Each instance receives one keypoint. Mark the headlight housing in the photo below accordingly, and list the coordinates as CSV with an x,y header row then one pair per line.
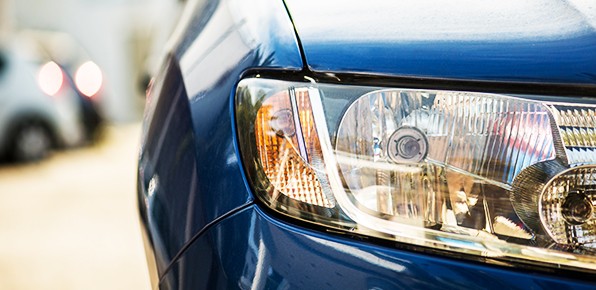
x,y
483,174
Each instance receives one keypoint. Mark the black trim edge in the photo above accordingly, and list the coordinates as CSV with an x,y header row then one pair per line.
x,y
382,80
189,243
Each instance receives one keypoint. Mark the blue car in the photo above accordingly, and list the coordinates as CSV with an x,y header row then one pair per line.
x,y
303,144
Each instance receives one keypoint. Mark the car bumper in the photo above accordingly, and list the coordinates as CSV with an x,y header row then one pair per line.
x,y
251,249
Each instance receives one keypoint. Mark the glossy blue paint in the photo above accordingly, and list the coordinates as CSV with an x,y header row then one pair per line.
x,y
542,41
167,170
226,37
189,174
251,250
189,169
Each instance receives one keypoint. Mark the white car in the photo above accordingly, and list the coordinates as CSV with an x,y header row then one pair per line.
x,y
38,108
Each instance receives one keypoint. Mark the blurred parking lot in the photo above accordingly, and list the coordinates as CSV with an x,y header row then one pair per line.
x,y
70,221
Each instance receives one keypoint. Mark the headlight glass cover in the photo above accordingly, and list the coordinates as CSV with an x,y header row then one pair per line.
x,y
494,176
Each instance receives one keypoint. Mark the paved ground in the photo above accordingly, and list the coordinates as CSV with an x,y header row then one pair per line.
x,y
70,222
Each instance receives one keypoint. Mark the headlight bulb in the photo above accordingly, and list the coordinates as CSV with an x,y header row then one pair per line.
x,y
566,208
562,200
407,144
282,123
577,208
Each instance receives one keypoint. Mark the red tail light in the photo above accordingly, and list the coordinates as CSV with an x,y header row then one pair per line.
x,y
89,79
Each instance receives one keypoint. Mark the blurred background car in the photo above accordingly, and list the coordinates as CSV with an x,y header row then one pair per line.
x,y
81,73
39,110
70,222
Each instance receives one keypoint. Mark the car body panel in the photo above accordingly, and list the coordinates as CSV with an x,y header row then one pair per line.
x,y
231,34
190,173
252,250
188,147
538,41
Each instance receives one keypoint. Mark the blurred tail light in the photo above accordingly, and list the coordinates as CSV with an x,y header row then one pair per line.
x,y
89,79
50,78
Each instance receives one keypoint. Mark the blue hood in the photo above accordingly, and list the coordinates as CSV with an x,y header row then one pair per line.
x,y
542,41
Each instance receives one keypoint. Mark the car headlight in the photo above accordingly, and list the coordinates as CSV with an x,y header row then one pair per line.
x,y
482,174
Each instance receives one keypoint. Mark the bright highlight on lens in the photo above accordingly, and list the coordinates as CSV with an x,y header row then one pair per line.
x,y
482,174
50,78
88,78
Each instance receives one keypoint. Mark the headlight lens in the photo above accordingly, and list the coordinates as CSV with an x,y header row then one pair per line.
x,y
489,175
